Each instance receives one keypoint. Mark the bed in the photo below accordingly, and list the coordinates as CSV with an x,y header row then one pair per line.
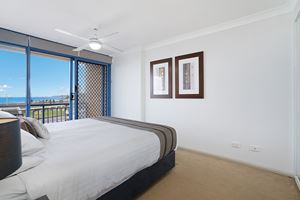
x,y
102,158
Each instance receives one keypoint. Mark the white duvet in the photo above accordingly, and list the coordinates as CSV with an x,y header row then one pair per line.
x,y
87,158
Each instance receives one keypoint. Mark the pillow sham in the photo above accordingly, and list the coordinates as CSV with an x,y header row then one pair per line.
x,y
30,144
26,126
39,129
4,114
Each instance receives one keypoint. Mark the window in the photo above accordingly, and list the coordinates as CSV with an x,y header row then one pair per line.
x,y
12,79
50,87
51,80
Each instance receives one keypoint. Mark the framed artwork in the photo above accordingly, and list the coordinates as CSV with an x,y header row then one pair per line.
x,y
161,78
189,76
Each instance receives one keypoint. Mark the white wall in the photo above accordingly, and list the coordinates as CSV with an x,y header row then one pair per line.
x,y
296,9
127,88
296,102
247,93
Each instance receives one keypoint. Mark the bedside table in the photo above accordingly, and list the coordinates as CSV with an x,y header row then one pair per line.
x,y
43,198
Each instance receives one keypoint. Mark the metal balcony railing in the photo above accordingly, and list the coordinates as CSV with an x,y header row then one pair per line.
x,y
44,112
50,113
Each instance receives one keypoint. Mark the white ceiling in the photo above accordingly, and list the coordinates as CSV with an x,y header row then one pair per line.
x,y
140,22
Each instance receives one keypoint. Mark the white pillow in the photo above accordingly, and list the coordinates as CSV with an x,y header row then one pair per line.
x,y
32,152
4,114
13,188
29,162
30,144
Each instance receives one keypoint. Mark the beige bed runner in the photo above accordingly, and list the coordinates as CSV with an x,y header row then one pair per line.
x,y
166,134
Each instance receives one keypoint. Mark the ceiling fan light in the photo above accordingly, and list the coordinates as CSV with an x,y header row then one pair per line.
x,y
95,45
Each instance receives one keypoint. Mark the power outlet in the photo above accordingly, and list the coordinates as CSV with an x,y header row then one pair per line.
x,y
254,148
236,145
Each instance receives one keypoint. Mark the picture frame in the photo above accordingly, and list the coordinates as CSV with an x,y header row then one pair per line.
x,y
161,78
189,76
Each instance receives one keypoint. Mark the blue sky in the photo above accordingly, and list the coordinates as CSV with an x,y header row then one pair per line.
x,y
49,77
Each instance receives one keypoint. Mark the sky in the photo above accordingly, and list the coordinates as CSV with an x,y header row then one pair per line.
x,y
49,77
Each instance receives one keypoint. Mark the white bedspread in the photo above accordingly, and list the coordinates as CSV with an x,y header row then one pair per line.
x,y
86,158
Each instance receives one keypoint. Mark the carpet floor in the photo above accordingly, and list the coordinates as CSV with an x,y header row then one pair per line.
x,y
201,177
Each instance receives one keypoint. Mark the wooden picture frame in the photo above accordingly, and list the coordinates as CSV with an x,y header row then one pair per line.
x,y
161,78
189,76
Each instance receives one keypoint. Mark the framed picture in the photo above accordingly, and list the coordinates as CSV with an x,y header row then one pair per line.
x,y
189,76
161,78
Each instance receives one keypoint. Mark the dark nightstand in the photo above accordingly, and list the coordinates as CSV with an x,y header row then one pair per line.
x,y
43,198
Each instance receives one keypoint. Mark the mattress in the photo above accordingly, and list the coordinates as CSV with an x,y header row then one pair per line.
x,y
87,158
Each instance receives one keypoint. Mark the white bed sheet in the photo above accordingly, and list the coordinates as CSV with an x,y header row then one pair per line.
x,y
87,158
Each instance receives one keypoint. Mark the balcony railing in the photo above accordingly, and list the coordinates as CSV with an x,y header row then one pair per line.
x,y
49,113
44,112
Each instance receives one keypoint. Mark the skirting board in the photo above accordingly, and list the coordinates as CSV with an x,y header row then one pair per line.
x,y
238,161
297,181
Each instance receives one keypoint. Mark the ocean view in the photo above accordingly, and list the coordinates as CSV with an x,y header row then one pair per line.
x,y
7,100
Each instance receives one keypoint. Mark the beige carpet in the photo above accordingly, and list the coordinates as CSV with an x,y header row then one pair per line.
x,y
202,177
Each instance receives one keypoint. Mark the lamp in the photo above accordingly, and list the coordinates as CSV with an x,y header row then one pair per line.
x,y
10,146
95,44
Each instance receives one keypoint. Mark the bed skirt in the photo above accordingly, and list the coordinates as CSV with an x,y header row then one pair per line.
x,y
141,180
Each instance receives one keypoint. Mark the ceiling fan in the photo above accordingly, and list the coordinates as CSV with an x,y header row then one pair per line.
x,y
95,42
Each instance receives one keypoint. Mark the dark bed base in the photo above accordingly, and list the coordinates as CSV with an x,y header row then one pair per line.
x,y
141,180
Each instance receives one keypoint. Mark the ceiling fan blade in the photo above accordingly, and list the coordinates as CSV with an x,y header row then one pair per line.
x,y
71,34
81,47
108,35
111,48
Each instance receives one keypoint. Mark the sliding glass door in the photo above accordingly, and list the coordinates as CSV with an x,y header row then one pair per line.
x,y
13,79
50,88
91,90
